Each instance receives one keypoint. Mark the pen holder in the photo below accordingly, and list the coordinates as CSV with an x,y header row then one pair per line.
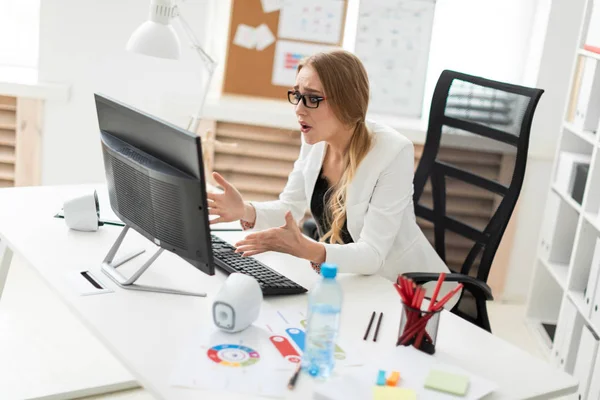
x,y
418,328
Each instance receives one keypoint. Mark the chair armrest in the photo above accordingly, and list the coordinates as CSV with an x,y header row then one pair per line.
x,y
478,288
309,228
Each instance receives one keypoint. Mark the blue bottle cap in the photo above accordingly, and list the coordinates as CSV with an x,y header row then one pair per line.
x,y
328,271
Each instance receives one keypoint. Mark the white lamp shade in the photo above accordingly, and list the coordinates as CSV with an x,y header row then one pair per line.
x,y
156,40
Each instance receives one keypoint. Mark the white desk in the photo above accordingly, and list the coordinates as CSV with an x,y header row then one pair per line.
x,y
145,331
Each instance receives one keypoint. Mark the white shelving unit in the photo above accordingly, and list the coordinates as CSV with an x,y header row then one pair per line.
x,y
569,321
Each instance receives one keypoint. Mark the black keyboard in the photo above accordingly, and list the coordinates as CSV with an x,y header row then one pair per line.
x,y
270,282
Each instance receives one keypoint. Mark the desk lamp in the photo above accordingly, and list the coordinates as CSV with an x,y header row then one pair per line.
x,y
157,38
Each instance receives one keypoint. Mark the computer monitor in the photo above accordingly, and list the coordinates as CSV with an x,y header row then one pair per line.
x,y
155,178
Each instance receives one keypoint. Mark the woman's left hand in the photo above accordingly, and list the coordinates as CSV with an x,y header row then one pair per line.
x,y
285,239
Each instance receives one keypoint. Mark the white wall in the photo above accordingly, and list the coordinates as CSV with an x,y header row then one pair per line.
x,y
82,43
19,30
553,41
488,38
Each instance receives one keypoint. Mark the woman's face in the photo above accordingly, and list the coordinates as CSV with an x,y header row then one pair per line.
x,y
316,124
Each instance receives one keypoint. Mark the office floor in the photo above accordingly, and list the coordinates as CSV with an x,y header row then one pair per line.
x,y
32,313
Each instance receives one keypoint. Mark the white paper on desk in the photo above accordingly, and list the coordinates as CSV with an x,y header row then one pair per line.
x,y
245,36
413,365
264,37
83,286
243,362
287,56
271,5
288,328
311,20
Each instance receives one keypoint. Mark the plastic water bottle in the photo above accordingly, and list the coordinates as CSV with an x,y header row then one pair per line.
x,y
324,307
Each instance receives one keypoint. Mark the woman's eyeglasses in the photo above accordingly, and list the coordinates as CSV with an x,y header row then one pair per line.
x,y
309,100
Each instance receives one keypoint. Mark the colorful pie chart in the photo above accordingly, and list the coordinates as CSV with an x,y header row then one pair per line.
x,y
233,355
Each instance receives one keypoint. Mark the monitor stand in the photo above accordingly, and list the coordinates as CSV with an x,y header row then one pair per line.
x,y
109,267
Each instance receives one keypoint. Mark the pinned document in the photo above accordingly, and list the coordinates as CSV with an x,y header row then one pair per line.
x,y
251,38
288,55
245,36
269,6
264,37
312,20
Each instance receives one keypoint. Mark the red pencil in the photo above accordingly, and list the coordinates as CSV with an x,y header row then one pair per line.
x,y
436,291
423,321
400,292
444,300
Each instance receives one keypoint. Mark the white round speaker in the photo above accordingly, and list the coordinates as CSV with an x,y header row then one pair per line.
x,y
82,213
237,305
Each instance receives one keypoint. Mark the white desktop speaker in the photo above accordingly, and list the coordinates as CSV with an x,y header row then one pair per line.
x,y
237,304
82,213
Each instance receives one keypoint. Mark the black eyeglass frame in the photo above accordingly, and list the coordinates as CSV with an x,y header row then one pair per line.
x,y
294,97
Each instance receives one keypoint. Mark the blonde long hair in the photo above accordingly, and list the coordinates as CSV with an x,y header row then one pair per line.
x,y
346,86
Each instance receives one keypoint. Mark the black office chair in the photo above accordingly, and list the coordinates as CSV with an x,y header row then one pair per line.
x,y
475,106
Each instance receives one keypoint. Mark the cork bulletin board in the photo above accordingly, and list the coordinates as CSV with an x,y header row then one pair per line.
x,y
251,69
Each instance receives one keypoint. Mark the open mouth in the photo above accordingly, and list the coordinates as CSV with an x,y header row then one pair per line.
x,y
305,128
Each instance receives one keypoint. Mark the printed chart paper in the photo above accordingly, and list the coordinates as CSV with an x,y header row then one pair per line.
x,y
288,334
259,360
244,362
392,40
287,56
310,20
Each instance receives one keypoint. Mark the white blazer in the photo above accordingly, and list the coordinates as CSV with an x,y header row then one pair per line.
x,y
379,209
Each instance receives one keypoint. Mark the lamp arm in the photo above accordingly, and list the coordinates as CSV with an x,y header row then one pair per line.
x,y
209,64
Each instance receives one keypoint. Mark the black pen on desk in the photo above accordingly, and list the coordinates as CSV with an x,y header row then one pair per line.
x,y
294,377
377,327
369,327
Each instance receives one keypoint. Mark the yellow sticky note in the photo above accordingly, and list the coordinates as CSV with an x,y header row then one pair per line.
x,y
393,393
447,382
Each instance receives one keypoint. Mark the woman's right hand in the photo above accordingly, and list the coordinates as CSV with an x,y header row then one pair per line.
x,y
229,205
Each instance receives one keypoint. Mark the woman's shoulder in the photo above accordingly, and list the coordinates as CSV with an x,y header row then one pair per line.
x,y
387,138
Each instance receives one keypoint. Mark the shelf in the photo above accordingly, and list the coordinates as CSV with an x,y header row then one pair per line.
x,y
8,107
568,199
593,219
587,53
536,326
588,136
570,228
559,272
10,127
578,299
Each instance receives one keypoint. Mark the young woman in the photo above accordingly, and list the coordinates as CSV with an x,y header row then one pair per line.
x,y
355,176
